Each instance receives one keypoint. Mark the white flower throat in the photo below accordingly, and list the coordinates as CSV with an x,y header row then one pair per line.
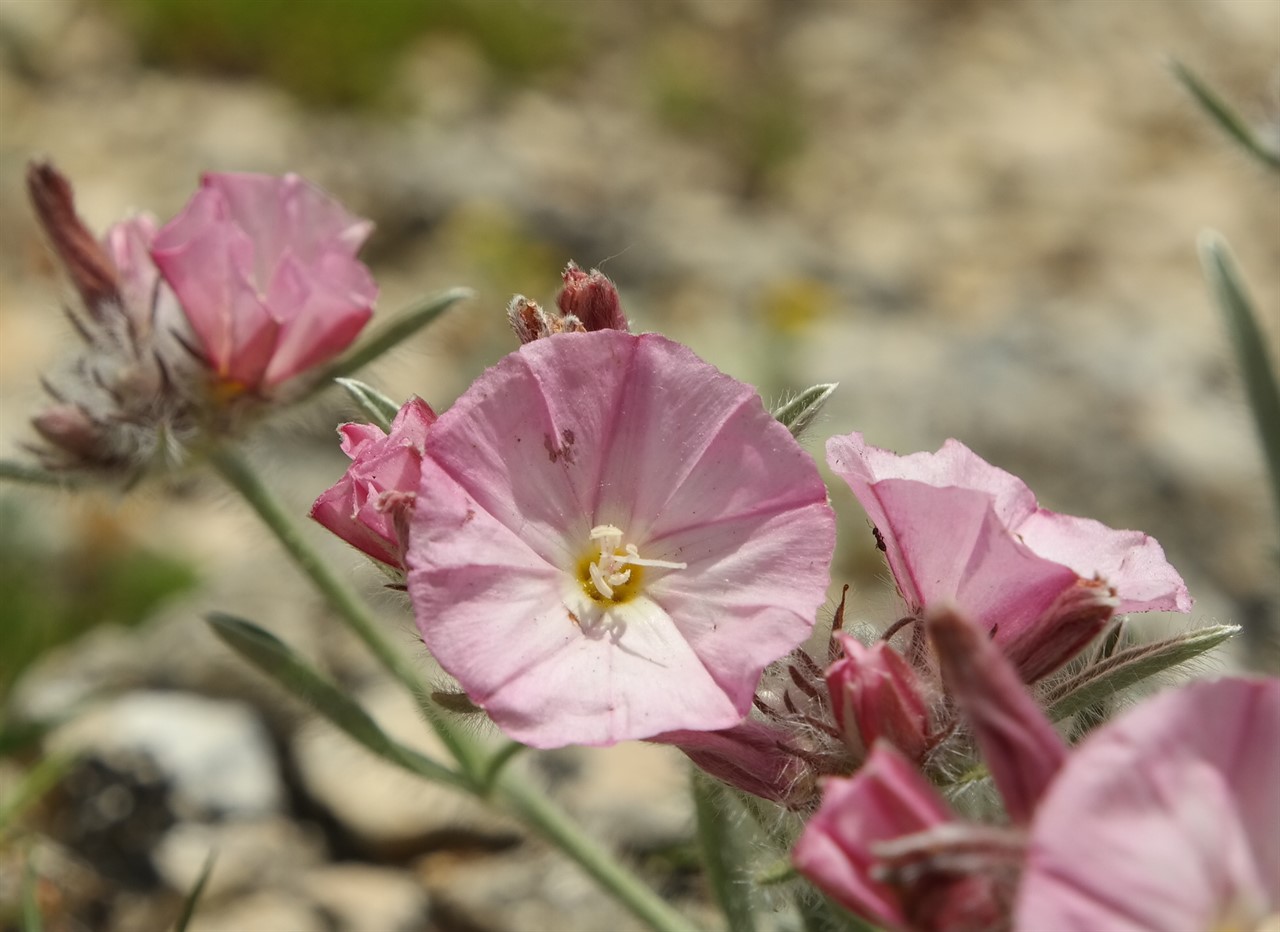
x,y
614,574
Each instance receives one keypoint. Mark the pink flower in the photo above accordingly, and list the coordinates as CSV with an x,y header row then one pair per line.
x,y
265,269
1167,818
612,539
368,505
956,529
876,694
886,799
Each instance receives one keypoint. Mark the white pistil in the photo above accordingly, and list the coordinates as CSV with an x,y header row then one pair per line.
x,y
610,570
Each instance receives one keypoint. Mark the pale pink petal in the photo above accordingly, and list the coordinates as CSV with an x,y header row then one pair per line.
x,y
355,438
128,243
1130,562
285,213
954,548
319,318
1164,819
885,799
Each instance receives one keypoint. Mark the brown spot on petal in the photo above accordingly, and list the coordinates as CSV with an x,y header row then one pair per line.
x,y
561,451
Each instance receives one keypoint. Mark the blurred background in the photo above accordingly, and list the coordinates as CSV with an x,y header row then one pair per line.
x,y
978,216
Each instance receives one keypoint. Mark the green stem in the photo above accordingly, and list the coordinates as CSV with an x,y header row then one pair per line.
x,y
534,808
542,815
344,600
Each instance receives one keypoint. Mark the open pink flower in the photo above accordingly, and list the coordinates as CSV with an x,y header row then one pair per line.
x,y
265,269
1166,819
368,506
956,529
612,539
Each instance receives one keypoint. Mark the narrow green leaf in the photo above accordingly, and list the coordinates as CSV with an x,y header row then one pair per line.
x,y
37,781
1226,117
1128,666
798,413
271,655
1251,352
34,475
380,409
394,332
721,854
193,898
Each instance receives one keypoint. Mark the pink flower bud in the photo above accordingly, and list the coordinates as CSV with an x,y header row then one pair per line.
x,y
87,264
876,694
592,299
70,428
1076,617
1018,743
885,800
368,507
265,270
753,756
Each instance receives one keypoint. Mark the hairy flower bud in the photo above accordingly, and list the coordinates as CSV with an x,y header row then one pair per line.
x,y
1020,747
876,694
591,298
753,756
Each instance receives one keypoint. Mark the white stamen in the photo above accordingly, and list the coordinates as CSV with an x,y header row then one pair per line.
x,y
611,569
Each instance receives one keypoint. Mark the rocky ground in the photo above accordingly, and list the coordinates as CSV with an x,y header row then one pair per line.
x,y
979,217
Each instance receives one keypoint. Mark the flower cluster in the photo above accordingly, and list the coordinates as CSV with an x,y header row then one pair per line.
x,y
605,538
188,326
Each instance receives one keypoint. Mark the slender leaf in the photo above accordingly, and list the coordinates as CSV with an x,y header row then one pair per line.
x,y
193,898
798,413
494,765
393,333
380,409
34,475
271,655
1248,341
37,781
1226,117
721,853
1131,665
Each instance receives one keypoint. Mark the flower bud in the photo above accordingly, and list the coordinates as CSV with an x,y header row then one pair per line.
x,y
591,298
69,428
1019,745
87,264
876,694
753,756
368,507
1076,617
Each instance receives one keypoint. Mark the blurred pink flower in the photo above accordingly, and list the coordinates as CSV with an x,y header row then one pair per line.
x,y
956,529
265,269
1166,819
368,506
886,799
876,694
612,539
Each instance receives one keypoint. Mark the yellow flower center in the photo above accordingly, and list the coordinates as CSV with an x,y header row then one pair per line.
x,y
611,573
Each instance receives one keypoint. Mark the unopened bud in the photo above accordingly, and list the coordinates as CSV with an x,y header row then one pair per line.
x,y
527,319
876,694
70,428
91,271
1020,747
1077,616
753,756
592,298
